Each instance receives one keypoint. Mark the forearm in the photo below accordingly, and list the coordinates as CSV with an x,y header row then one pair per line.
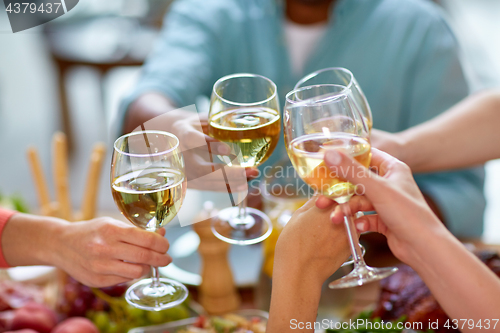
x,y
464,287
458,138
298,275
149,106
294,301
31,240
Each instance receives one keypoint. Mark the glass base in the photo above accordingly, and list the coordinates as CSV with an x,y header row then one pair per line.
x,y
362,275
253,229
144,296
350,260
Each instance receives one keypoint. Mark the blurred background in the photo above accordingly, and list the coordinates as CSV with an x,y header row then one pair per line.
x,y
71,74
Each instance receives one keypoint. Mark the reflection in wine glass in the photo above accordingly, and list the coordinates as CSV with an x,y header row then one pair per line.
x,y
343,77
244,114
148,186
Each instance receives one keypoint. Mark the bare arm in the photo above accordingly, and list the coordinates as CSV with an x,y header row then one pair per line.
x,y
464,287
464,136
100,252
149,106
309,250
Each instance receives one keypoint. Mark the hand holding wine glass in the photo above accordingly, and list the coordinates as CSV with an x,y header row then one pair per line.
x,y
244,115
105,252
393,184
148,186
454,275
153,111
319,119
99,252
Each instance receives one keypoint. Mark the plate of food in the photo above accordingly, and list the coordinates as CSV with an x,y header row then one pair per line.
x,y
243,321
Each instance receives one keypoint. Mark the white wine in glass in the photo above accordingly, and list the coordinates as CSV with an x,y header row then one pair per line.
x,y
244,115
148,186
150,197
307,153
251,134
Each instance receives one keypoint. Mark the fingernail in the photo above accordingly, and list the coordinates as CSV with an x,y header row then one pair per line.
x,y
335,212
361,226
333,157
251,172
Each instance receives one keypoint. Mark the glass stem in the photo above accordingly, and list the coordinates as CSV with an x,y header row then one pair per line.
x,y
352,235
242,206
155,277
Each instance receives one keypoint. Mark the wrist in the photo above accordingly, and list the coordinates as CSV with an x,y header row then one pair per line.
x,y
295,278
52,239
146,107
295,271
31,240
410,149
296,292
425,243
306,265
402,146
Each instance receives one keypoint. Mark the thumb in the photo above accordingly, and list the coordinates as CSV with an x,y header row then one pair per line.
x,y
351,170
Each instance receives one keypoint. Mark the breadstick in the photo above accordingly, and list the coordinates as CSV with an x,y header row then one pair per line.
x,y
92,186
41,186
60,168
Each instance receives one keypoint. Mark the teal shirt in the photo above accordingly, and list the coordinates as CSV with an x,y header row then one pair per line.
x,y
402,53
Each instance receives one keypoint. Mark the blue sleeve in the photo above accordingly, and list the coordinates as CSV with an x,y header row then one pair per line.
x,y
438,82
182,63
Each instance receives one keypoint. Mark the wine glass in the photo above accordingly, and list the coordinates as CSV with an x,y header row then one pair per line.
x,y
344,77
148,186
341,77
244,115
316,119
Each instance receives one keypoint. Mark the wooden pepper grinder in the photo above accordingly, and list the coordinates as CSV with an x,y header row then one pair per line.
x,y
218,293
